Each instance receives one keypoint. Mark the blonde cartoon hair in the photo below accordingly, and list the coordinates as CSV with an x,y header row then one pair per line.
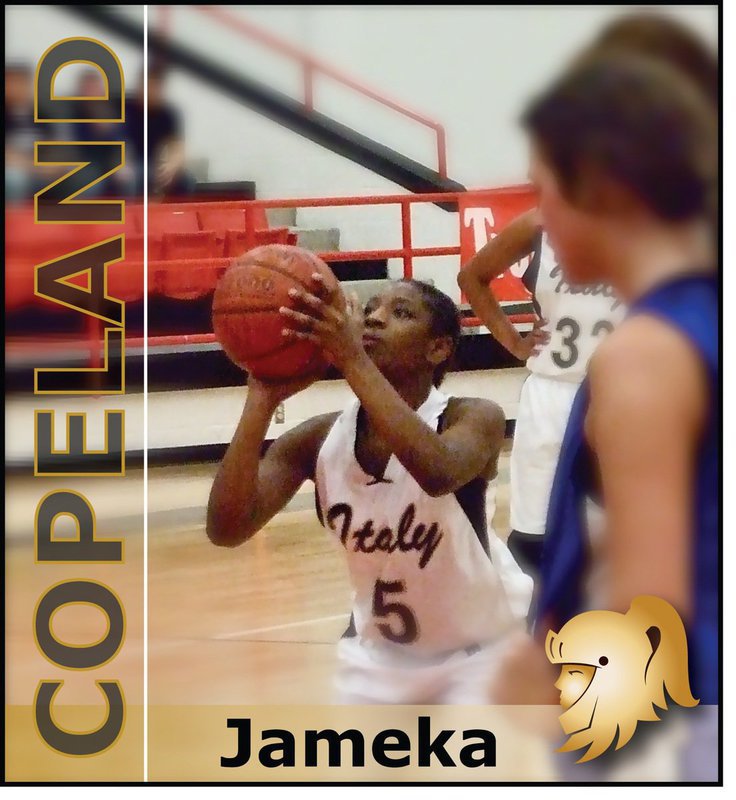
x,y
616,669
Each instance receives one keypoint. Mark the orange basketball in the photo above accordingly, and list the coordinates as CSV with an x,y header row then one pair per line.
x,y
245,311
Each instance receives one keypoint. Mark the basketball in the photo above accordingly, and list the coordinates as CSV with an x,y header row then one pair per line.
x,y
245,311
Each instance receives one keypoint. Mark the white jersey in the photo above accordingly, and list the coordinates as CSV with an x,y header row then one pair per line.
x,y
578,317
423,580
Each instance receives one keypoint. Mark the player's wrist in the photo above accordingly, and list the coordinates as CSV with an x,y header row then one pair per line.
x,y
355,365
261,398
517,346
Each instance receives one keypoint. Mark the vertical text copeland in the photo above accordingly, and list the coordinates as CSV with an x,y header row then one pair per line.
x,y
60,204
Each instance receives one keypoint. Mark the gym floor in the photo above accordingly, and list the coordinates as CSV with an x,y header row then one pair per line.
x,y
256,624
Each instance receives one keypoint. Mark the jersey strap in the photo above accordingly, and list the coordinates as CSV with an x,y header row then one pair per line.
x,y
563,553
690,305
531,274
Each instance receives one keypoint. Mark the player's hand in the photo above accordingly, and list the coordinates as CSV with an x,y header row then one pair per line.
x,y
533,342
165,173
326,317
525,676
275,392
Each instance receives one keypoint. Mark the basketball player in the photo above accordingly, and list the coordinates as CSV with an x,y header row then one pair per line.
x,y
640,216
571,322
626,165
400,477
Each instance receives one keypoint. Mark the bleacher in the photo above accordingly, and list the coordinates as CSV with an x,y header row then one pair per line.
x,y
189,247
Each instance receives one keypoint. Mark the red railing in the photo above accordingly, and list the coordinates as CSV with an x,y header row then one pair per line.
x,y
407,252
310,67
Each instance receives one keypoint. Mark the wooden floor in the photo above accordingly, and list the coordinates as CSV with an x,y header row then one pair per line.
x,y
254,624
257,624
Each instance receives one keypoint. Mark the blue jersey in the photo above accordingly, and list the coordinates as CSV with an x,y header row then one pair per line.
x,y
689,304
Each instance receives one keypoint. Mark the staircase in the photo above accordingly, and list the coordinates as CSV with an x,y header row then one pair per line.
x,y
298,117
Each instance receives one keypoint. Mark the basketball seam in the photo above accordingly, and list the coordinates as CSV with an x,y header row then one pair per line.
x,y
285,346
278,271
244,310
284,273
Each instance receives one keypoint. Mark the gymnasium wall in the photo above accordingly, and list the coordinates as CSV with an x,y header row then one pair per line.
x,y
469,67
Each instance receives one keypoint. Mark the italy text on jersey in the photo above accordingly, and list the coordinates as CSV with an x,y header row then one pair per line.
x,y
407,537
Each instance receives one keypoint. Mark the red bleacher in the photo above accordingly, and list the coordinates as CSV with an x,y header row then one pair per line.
x,y
188,249
191,244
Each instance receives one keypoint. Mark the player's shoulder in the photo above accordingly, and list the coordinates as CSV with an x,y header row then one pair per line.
x,y
645,367
475,410
527,227
301,445
642,344
316,428
306,438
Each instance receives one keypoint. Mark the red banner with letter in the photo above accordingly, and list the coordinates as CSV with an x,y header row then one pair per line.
x,y
482,216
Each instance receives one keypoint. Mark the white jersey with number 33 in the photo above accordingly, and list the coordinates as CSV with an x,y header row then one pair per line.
x,y
578,317
422,574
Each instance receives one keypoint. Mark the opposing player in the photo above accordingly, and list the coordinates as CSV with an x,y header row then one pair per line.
x,y
625,159
571,322
400,478
641,217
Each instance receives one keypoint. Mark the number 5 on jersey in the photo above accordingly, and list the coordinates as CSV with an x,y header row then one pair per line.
x,y
401,624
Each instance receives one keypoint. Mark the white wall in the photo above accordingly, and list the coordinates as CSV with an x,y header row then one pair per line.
x,y
469,67
31,29
217,411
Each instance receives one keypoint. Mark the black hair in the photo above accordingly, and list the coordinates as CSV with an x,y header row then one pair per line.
x,y
637,120
18,68
158,68
445,320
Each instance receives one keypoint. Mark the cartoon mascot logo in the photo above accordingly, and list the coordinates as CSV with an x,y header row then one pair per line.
x,y
615,668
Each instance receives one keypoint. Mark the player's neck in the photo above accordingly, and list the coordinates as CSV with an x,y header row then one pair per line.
x,y
652,256
413,390
414,394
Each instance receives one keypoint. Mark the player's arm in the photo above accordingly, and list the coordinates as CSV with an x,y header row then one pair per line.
x,y
249,490
514,242
439,462
647,410
172,156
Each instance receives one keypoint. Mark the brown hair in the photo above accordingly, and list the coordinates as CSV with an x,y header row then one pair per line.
x,y
636,120
666,39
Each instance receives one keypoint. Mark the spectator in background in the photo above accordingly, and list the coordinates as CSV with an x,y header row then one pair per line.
x,y
121,183
22,178
167,176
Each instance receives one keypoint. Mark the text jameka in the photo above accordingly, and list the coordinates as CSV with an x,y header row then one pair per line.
x,y
390,748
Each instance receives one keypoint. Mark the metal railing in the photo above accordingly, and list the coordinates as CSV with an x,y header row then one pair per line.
x,y
311,67
407,252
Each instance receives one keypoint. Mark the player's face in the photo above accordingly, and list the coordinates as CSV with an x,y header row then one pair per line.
x,y
574,233
18,88
398,330
155,90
